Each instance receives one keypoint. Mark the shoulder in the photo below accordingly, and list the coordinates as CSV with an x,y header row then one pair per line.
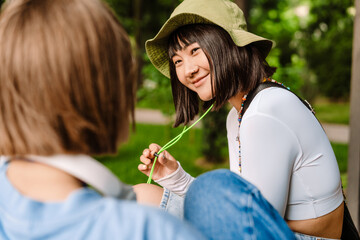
x,y
272,99
279,104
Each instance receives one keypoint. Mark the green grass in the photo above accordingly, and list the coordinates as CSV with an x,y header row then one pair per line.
x,y
187,151
341,153
332,112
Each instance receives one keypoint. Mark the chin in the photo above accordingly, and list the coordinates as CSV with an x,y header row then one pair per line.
x,y
205,98
205,95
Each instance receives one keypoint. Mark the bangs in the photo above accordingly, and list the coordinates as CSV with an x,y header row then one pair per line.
x,y
180,39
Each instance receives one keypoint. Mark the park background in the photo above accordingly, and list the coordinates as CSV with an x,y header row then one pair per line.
x,y
312,53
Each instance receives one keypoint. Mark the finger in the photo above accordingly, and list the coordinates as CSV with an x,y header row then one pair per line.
x,y
147,153
165,158
144,168
145,160
162,158
154,148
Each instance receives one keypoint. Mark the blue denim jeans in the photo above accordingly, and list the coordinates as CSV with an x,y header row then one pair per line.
x,y
300,236
222,205
172,203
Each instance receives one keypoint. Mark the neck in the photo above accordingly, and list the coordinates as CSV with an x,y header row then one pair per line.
x,y
236,101
41,182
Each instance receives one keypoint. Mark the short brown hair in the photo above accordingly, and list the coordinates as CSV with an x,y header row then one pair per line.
x,y
234,69
66,80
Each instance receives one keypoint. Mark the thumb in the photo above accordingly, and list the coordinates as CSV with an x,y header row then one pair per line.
x,y
167,160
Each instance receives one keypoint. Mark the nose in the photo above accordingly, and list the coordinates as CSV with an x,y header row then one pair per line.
x,y
191,69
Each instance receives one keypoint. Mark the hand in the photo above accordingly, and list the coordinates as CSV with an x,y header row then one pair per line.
x,y
165,163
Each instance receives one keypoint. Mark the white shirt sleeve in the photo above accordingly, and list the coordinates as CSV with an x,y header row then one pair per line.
x,y
269,150
285,153
178,182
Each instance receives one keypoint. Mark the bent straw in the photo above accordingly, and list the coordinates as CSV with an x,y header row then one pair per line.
x,y
175,140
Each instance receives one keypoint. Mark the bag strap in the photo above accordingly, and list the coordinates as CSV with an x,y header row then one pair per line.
x,y
251,95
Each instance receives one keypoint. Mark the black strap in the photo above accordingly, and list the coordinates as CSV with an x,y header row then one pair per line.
x,y
251,95
349,231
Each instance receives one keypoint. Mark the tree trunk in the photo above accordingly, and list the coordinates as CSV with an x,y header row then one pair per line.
x,y
138,40
244,6
353,189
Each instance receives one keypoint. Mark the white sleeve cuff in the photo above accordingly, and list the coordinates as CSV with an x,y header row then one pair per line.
x,y
178,182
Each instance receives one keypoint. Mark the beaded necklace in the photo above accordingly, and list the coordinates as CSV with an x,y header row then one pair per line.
x,y
240,115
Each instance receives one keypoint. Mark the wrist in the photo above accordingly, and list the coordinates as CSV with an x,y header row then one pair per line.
x,y
177,182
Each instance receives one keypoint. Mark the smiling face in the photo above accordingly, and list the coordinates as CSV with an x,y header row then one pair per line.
x,y
193,70
220,69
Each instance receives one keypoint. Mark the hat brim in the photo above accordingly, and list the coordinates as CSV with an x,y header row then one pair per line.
x,y
157,51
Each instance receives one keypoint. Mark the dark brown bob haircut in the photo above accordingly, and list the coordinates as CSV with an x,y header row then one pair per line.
x,y
234,69
66,80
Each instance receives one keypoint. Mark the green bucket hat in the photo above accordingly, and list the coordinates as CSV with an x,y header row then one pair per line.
x,y
223,13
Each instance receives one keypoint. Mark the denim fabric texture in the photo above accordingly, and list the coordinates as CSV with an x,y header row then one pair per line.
x,y
84,215
172,203
300,236
222,205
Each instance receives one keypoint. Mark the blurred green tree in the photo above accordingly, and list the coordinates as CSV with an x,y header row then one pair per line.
x,y
313,43
327,44
141,19
277,20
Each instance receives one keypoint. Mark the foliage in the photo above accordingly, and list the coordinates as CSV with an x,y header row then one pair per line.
x,y
305,33
276,20
301,66
142,19
156,91
328,43
145,17
214,136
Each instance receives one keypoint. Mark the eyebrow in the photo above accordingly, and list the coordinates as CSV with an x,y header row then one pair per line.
x,y
182,49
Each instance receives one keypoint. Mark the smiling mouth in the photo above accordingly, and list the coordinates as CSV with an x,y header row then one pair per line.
x,y
198,82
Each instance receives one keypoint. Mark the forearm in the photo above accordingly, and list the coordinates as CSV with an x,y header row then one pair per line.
x,y
178,182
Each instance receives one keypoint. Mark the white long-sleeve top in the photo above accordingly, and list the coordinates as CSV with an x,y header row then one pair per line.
x,y
286,154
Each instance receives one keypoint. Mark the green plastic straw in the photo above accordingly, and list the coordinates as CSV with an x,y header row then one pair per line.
x,y
175,140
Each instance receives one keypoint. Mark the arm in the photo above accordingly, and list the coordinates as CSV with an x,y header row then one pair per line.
x,y
167,172
269,150
149,194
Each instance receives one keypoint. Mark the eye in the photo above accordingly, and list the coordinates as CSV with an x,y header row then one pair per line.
x,y
194,50
176,62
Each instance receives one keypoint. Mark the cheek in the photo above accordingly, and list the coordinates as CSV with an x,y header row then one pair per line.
x,y
181,77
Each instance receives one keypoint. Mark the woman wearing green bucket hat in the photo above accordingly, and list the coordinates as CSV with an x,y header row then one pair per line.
x,y
277,145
